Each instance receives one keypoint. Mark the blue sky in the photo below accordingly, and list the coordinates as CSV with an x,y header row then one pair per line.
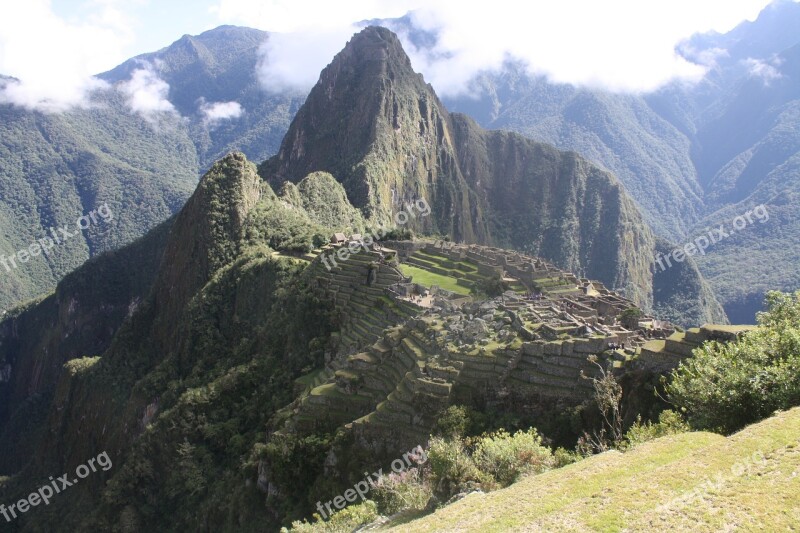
x,y
54,47
156,23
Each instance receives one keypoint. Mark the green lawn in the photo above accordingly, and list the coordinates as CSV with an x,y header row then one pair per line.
x,y
423,277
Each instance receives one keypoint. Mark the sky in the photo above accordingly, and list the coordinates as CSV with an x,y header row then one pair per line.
x,y
54,47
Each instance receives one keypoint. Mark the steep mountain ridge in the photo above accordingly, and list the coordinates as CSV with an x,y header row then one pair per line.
x,y
397,143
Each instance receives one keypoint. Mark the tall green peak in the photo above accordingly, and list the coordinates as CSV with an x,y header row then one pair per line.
x,y
207,232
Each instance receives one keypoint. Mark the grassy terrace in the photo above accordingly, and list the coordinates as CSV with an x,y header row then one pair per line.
x,y
311,378
443,262
426,278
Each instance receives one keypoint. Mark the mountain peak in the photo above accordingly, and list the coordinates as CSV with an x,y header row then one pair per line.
x,y
375,43
375,55
369,96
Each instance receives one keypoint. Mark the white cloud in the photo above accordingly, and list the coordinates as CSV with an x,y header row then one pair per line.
x,y
54,59
147,93
624,45
293,61
759,68
216,112
707,58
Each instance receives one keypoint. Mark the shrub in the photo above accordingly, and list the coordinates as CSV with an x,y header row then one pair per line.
x,y
669,423
405,491
506,457
343,521
563,457
453,422
724,387
452,470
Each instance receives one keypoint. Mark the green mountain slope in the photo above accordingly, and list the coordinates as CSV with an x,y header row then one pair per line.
x,y
81,317
57,167
687,482
743,122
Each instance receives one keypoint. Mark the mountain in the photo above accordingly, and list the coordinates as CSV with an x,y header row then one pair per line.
x,y
400,144
743,120
57,167
225,370
620,132
219,66
692,156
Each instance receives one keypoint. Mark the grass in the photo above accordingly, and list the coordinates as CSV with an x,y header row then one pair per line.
x,y
686,482
428,279
310,378
728,329
655,345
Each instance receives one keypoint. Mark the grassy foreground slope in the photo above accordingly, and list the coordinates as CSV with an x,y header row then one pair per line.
x,y
686,482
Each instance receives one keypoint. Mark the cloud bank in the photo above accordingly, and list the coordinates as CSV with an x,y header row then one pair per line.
x,y
52,59
621,45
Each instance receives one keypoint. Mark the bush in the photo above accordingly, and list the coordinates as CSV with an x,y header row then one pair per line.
x,y
563,457
506,457
724,387
452,470
405,491
453,422
669,423
343,521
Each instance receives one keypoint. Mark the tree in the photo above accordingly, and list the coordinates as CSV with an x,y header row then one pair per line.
x,y
608,397
725,386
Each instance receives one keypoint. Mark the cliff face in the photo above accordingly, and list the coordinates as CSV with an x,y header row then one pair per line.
x,y
80,318
379,129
